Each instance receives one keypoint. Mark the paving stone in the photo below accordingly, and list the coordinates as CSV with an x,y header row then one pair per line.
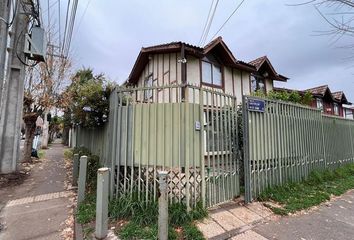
x,y
227,220
245,214
209,228
249,235
258,208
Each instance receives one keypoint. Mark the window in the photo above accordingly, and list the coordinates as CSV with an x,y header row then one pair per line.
x,y
216,133
211,72
336,108
319,104
148,83
349,113
257,83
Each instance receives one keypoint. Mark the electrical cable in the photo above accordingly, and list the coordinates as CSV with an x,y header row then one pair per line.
x,y
72,23
210,22
238,6
66,25
206,22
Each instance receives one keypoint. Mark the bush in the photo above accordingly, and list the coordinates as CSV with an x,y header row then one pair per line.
x,y
68,153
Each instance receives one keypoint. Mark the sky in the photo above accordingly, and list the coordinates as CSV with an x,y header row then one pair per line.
x,y
109,34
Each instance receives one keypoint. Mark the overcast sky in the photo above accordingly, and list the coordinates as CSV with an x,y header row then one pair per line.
x,y
109,36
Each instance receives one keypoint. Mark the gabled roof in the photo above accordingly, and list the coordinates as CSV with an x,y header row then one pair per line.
x,y
263,62
319,91
216,46
340,97
279,89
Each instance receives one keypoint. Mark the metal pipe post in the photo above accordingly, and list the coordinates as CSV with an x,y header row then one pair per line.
x,y
163,206
82,179
75,169
102,203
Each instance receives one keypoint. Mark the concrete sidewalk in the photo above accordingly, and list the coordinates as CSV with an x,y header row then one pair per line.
x,y
332,220
38,208
234,220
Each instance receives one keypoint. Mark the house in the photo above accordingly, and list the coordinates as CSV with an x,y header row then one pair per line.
x,y
329,103
348,111
212,66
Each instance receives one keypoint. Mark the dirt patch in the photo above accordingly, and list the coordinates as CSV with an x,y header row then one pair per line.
x,y
12,179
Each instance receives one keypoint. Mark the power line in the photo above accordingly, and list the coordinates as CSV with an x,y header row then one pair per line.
x,y
206,22
71,24
238,6
66,26
87,5
209,24
59,23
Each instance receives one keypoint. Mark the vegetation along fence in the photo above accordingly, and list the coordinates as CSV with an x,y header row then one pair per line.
x,y
284,142
189,131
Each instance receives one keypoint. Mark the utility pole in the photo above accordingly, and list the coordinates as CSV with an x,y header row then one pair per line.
x,y
12,106
4,20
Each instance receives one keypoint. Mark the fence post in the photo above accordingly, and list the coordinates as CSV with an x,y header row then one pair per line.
x,y
102,203
82,179
75,169
246,162
323,143
163,207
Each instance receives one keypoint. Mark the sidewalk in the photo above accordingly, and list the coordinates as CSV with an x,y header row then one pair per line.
x,y
332,220
234,220
38,208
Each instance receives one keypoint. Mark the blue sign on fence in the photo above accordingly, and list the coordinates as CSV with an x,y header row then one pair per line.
x,y
256,105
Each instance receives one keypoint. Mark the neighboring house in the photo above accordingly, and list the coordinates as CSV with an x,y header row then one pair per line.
x,y
262,79
348,111
213,66
329,103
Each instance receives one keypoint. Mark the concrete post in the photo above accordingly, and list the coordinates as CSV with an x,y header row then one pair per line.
x,y
163,207
12,96
75,169
4,14
102,203
82,179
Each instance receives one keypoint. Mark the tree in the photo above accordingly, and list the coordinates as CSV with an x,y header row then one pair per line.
x,y
338,14
89,99
43,86
286,96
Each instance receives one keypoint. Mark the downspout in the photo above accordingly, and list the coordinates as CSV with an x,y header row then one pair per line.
x,y
183,71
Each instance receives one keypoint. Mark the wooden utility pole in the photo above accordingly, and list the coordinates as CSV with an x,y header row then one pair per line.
x,y
12,103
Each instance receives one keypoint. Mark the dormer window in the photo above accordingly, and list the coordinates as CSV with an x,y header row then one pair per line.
x,y
211,72
148,83
336,109
258,83
319,104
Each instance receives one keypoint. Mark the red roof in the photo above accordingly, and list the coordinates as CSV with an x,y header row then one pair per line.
x,y
320,90
216,45
264,61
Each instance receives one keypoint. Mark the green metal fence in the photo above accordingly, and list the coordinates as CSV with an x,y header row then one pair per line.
x,y
186,130
284,142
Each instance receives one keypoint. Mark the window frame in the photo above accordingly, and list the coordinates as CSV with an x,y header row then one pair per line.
x,y
212,64
148,94
336,107
319,100
257,78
